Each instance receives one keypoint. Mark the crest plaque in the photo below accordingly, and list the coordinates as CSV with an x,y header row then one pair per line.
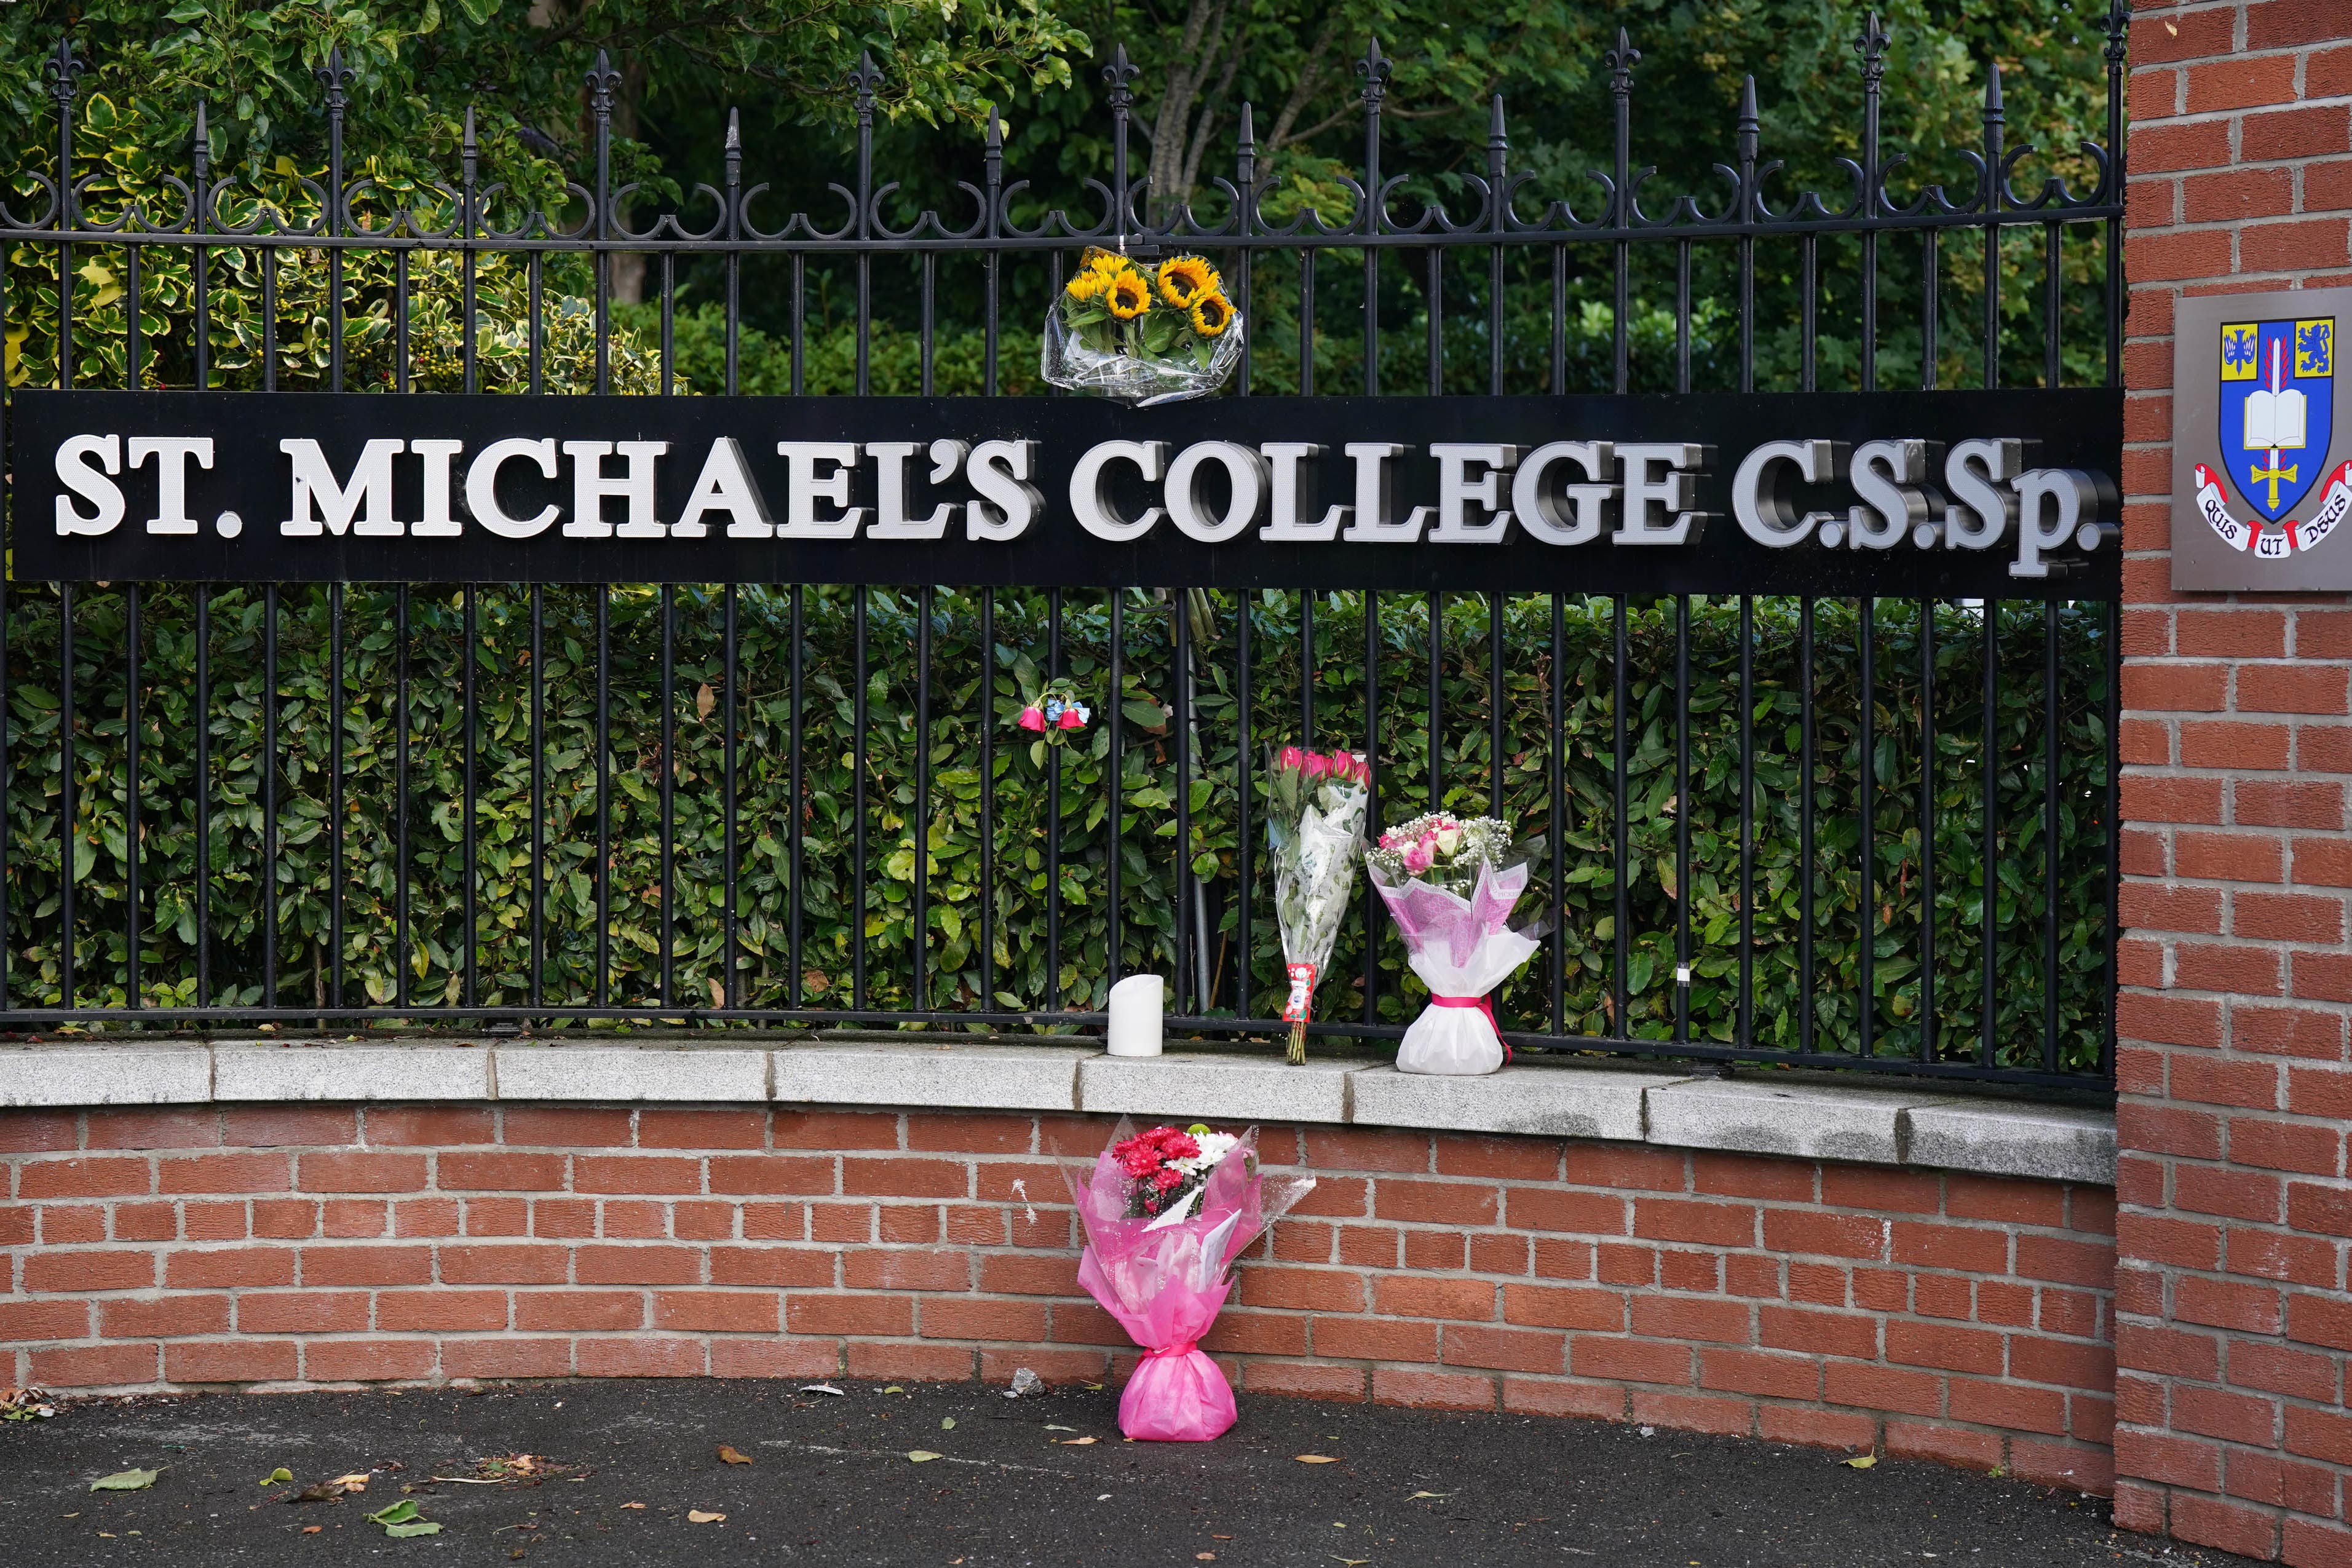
x,y
2261,483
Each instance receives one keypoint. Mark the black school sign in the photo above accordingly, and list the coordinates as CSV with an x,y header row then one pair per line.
x,y
1955,494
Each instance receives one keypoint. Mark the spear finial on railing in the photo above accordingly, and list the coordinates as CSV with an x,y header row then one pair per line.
x,y
1619,62
1498,145
1745,134
993,168
63,73
203,150
1120,75
734,174
1870,45
603,84
1246,149
336,79
866,81
1374,68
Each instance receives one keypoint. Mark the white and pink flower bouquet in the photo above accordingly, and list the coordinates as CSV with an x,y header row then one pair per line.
x,y
1316,806
1451,885
1166,1212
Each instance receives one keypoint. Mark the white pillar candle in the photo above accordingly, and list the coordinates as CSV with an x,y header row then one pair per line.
x,y
1135,1004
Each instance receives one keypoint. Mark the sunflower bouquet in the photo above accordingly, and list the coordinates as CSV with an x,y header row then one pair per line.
x,y
1142,332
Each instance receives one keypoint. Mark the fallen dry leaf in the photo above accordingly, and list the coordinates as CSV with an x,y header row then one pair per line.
x,y
921,1455
1204,1557
312,1528
355,1482
1316,1458
1076,1442
1417,1495
733,1455
1862,1463
633,1505
696,1516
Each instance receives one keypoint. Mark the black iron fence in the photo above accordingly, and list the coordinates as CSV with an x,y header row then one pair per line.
x,y
1856,831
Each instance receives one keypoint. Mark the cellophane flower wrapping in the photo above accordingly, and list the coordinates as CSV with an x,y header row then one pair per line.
x,y
1171,335
1316,807
1163,1268
1453,907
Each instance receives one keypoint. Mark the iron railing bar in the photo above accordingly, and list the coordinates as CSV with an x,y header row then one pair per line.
x,y
987,782
1244,783
858,743
1555,743
1682,818
1807,870
1369,894
1436,701
1054,806
1866,785
1926,830
1619,828
1180,738
336,784
468,699
797,809
400,804
1496,761
665,942
132,846
1114,819
921,944
1744,1024
730,969
604,987
1989,909
268,890
537,985
2054,863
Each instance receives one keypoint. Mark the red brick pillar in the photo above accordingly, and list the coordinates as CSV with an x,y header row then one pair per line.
x,y
2234,1327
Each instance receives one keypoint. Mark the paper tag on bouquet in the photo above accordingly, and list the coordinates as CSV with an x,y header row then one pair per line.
x,y
1302,987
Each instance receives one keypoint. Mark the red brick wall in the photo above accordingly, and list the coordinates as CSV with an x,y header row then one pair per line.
x,y
1956,1317
2234,1323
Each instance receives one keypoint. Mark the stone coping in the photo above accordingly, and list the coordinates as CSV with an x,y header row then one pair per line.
x,y
1872,1123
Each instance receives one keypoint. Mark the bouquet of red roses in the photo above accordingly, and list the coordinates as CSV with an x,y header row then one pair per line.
x,y
1166,1212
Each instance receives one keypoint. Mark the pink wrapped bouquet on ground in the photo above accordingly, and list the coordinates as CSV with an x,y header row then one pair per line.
x,y
1167,1211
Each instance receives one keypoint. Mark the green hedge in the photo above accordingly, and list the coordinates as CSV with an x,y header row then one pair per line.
x,y
825,814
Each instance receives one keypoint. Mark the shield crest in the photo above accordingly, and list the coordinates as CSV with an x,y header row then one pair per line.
x,y
2278,408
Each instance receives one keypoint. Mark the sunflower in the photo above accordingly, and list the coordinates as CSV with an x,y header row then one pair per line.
x,y
1085,286
1184,279
1128,295
1211,313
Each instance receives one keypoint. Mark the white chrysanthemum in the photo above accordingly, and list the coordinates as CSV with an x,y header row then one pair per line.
x,y
1214,1147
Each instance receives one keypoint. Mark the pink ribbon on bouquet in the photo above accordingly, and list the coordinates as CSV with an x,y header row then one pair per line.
x,y
1481,1003
1485,1005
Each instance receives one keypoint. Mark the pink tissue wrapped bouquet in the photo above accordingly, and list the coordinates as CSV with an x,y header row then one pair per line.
x,y
1166,1212
1451,885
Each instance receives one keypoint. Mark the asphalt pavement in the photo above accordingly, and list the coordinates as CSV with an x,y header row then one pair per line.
x,y
633,1472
